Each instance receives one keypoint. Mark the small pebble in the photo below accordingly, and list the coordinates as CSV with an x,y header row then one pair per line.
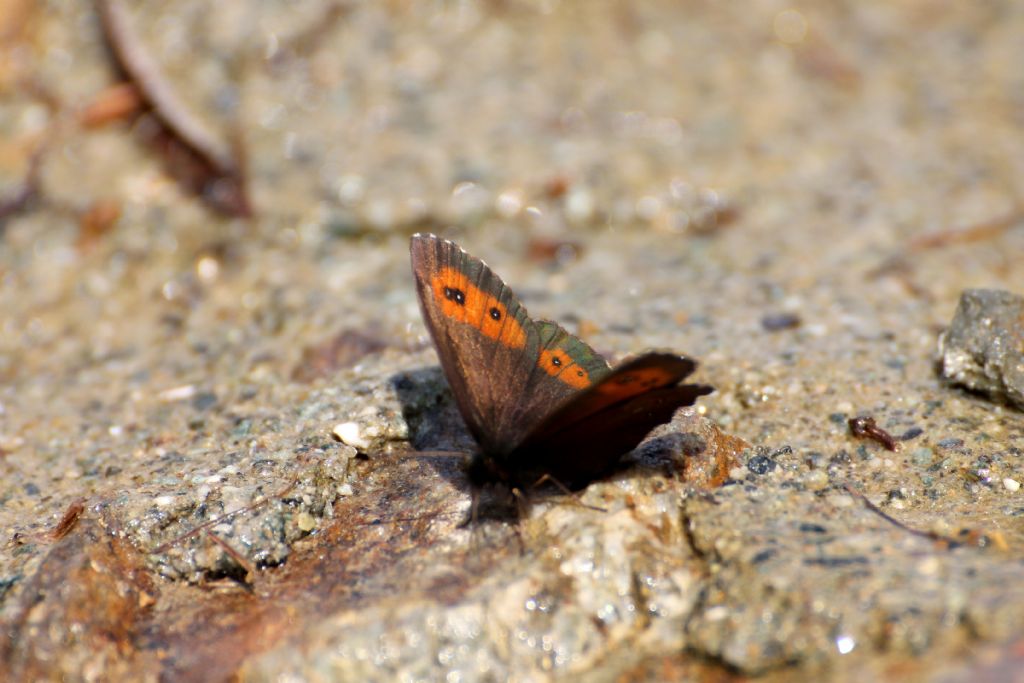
x,y
716,613
1011,485
761,464
178,393
204,401
911,433
930,566
816,480
773,322
579,206
922,456
845,644
306,521
348,433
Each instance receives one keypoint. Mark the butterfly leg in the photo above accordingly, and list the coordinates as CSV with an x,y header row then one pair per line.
x,y
523,510
474,510
575,497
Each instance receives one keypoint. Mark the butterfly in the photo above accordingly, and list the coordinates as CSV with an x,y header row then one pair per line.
x,y
538,400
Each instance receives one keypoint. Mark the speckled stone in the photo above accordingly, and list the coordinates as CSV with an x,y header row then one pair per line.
x,y
983,349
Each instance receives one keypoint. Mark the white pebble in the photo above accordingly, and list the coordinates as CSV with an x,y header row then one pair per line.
x,y
579,206
178,393
306,521
716,613
1011,484
509,203
348,433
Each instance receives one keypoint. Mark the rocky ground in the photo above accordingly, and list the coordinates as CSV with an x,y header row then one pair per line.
x,y
214,404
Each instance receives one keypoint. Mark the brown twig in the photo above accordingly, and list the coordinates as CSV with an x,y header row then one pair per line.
x,y
69,520
865,427
973,233
242,560
930,535
248,508
157,92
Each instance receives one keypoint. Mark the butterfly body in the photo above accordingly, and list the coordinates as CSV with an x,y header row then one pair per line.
x,y
538,400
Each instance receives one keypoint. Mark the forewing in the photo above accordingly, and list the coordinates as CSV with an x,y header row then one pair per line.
x,y
489,348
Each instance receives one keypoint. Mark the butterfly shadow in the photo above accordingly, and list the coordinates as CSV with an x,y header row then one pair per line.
x,y
436,430
439,435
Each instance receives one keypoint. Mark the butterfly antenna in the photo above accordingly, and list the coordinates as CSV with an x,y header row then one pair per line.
x,y
572,495
437,454
523,509
400,520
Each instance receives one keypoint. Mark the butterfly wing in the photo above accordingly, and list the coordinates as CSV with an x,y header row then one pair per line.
x,y
590,432
568,358
507,372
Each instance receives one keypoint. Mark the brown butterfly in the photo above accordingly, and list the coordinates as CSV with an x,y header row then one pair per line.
x,y
538,400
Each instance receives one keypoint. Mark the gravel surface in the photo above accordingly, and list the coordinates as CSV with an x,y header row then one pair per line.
x,y
226,445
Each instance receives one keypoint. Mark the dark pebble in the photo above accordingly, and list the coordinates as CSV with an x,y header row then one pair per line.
x,y
951,442
242,428
204,401
31,489
815,460
838,418
773,322
911,433
836,561
762,556
761,464
812,528
841,458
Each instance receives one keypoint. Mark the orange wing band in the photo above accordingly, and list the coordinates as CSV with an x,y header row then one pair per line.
x,y
561,366
462,301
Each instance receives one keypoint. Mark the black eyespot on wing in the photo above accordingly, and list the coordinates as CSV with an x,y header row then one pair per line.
x,y
556,361
456,295
495,313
